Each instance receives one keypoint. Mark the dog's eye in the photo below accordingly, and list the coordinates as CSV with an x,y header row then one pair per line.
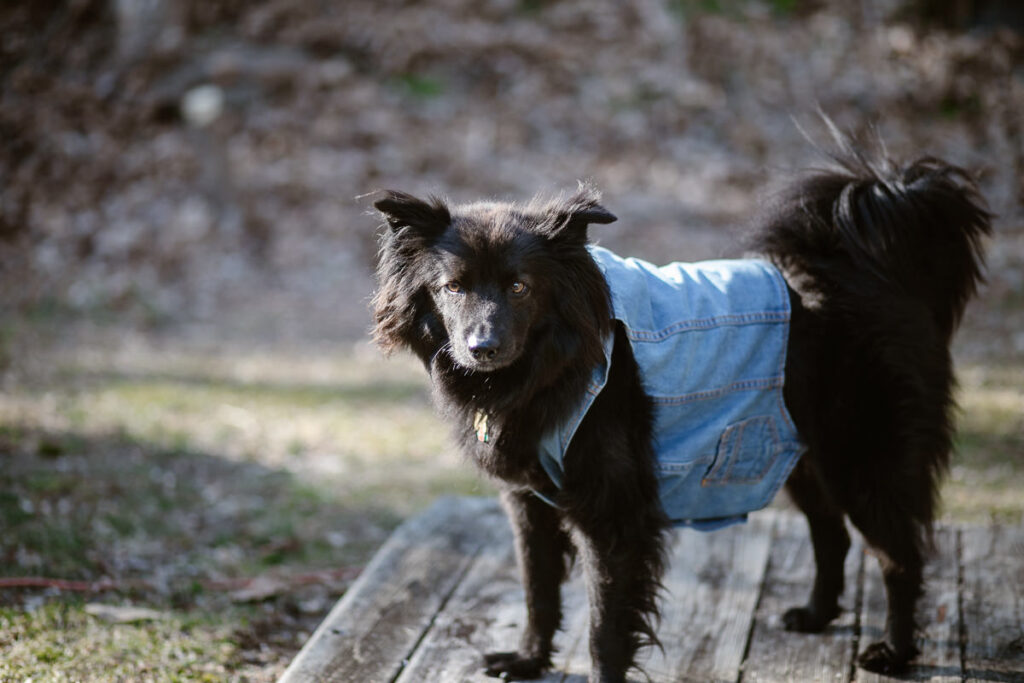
x,y
518,288
454,287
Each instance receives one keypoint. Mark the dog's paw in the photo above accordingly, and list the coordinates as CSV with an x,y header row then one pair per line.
x,y
881,658
512,666
807,620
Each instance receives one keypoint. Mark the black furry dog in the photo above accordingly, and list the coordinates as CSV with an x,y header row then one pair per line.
x,y
510,312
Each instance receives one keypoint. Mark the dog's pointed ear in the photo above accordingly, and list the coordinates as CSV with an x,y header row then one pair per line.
x,y
402,210
569,217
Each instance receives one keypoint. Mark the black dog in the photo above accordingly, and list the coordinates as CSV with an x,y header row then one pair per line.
x,y
507,307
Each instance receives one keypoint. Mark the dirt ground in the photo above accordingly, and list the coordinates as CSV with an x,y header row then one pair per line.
x,y
187,249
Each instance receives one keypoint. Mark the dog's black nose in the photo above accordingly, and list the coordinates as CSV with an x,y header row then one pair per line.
x,y
483,348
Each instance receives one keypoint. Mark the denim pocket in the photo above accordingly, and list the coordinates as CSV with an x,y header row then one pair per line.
x,y
746,452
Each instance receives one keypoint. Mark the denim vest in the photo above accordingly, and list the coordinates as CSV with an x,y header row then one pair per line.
x,y
710,341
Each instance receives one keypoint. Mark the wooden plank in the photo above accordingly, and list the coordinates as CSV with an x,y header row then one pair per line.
x,y
572,663
444,590
776,654
729,572
379,621
993,598
712,587
938,612
486,613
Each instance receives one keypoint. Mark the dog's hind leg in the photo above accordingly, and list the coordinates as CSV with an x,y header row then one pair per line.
x,y
897,540
831,543
542,550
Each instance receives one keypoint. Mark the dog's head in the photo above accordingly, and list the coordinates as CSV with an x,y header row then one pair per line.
x,y
481,282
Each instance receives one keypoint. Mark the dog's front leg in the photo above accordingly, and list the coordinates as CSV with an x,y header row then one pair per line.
x,y
623,575
542,550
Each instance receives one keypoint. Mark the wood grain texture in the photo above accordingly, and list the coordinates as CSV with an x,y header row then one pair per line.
x,y
375,627
779,655
993,598
938,615
939,612
712,586
444,590
572,662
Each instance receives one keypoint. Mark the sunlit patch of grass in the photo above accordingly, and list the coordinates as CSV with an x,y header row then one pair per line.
x,y
62,637
419,483
987,479
332,409
354,428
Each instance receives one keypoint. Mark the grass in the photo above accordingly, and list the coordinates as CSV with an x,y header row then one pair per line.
x,y
180,473
734,9
987,478
420,86
262,418
60,641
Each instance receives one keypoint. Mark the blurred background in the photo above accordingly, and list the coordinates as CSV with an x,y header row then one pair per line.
x,y
199,449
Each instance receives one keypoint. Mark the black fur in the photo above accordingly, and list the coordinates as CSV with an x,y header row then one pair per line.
x,y
506,309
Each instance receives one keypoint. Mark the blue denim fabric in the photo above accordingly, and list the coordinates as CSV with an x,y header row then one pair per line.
x,y
710,341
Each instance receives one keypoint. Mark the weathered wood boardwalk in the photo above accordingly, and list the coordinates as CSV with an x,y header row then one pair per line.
x,y
444,589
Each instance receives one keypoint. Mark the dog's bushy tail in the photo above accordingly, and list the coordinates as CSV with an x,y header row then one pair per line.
x,y
886,255
916,229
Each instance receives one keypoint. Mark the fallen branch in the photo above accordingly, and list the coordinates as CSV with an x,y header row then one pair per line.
x,y
62,584
264,582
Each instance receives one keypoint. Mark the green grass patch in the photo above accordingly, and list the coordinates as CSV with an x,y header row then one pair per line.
x,y
733,9
987,478
349,415
60,641
421,86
